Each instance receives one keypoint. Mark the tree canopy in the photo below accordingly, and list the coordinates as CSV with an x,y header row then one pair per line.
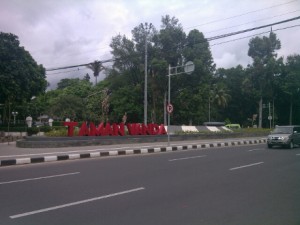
x,y
21,77
269,86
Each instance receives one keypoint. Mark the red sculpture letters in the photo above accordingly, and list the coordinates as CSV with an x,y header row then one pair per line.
x,y
89,129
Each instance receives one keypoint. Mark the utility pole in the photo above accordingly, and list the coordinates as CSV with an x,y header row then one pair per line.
x,y
146,72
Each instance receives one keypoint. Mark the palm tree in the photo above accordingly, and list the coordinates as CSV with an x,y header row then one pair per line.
x,y
96,67
220,96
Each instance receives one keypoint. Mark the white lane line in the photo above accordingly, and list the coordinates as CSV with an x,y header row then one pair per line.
x,y
39,178
298,154
75,203
241,167
194,157
257,149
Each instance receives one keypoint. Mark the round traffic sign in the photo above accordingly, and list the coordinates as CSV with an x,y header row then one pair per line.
x,y
170,108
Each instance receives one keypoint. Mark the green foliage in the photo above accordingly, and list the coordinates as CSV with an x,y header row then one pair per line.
x,y
127,99
57,132
13,128
60,132
32,131
20,76
70,106
228,94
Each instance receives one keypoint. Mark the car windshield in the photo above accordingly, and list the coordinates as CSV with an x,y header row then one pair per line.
x,y
283,130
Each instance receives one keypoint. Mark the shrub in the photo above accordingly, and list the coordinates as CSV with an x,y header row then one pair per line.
x,y
32,130
45,128
60,132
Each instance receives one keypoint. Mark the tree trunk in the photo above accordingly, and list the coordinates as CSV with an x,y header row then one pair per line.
x,y
291,111
260,113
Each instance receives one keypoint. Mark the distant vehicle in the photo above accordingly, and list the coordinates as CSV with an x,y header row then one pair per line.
x,y
284,136
233,126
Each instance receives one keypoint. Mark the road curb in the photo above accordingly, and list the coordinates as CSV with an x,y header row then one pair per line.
x,y
97,154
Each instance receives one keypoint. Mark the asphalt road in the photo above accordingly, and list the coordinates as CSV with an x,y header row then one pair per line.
x,y
232,185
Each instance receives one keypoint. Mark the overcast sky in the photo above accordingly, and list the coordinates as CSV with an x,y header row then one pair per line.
x,y
61,33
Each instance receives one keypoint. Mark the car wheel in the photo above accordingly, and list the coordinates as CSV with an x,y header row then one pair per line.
x,y
269,146
291,145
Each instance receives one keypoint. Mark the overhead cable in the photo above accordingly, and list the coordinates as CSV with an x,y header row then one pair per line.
x,y
207,39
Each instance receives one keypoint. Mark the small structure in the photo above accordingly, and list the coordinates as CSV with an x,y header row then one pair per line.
x,y
50,121
29,121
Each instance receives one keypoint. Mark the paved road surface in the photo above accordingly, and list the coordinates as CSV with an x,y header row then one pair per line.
x,y
233,185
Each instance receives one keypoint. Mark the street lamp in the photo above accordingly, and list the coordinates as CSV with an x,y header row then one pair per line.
x,y
147,29
189,67
14,115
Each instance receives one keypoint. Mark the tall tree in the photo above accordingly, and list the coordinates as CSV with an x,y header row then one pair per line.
x,y
242,102
263,52
96,67
20,76
290,85
127,63
168,44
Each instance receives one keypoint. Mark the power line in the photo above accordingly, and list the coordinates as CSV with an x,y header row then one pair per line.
x,y
65,71
208,39
262,9
67,67
252,29
284,28
243,14
253,21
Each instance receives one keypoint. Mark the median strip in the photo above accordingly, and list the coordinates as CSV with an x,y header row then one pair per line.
x,y
84,154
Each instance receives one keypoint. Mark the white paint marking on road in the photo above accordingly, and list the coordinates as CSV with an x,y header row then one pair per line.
x,y
75,203
194,157
298,154
241,167
39,178
256,149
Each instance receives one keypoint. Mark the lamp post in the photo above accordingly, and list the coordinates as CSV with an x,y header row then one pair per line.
x,y
14,115
146,72
189,67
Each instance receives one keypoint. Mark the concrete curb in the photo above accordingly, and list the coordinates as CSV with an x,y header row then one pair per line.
x,y
22,161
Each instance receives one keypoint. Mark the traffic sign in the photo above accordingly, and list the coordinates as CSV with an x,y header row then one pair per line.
x,y
170,108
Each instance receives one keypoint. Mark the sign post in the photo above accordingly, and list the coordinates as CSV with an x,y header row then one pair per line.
x,y
188,68
170,108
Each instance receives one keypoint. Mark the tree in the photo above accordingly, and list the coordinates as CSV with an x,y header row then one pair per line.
x,y
87,77
219,96
73,110
242,103
262,51
96,67
289,83
67,82
20,76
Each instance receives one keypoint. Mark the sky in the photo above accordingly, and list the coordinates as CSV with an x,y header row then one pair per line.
x,y
60,33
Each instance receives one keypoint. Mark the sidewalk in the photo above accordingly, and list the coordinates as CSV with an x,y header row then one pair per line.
x,y
12,155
